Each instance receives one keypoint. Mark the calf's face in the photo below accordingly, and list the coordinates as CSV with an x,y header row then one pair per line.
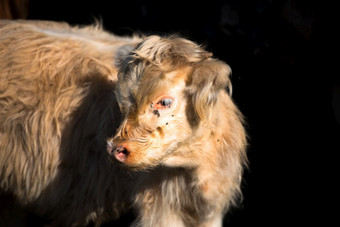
x,y
155,121
162,103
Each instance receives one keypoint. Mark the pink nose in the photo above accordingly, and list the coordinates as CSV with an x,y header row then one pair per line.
x,y
118,151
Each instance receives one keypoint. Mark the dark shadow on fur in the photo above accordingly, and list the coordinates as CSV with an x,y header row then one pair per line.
x,y
85,172
192,116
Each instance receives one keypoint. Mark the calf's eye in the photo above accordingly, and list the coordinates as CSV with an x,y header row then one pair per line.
x,y
163,102
166,102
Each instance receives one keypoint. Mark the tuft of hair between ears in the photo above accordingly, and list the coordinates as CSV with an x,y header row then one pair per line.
x,y
169,53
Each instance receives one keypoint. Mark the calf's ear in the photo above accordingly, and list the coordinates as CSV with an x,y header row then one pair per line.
x,y
208,78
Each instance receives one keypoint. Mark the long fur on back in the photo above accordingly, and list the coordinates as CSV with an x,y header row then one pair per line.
x,y
56,110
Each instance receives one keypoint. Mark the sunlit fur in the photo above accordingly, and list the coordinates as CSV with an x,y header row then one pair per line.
x,y
69,95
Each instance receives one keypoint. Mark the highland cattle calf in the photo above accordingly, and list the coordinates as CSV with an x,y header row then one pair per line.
x,y
92,124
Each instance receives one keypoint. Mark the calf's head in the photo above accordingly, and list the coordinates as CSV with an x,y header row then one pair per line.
x,y
166,88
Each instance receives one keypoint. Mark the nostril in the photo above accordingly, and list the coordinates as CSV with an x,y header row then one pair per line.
x,y
120,149
120,153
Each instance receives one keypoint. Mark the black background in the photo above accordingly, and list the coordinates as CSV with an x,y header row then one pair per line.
x,y
285,81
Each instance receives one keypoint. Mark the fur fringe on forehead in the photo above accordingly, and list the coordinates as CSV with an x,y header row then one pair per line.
x,y
170,52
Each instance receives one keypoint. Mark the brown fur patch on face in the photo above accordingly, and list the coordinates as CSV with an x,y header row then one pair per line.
x,y
160,131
